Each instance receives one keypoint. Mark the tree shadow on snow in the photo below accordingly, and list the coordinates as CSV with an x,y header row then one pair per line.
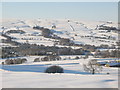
x,y
75,72
109,80
24,68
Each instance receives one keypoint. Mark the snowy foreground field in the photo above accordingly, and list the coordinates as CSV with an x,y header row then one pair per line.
x,y
31,75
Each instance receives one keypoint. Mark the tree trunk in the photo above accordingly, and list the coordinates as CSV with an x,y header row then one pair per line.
x,y
93,72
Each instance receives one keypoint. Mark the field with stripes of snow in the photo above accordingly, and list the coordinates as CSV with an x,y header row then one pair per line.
x,y
82,32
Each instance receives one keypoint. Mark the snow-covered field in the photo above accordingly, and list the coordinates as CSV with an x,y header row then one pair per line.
x,y
31,75
42,80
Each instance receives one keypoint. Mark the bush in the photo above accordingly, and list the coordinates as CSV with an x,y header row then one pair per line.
x,y
19,61
36,60
2,63
54,69
15,61
77,57
8,62
23,60
16,31
45,59
51,58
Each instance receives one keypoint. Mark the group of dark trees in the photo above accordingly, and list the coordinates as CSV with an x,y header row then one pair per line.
x,y
33,49
14,61
38,27
54,69
45,31
48,58
102,27
107,54
49,34
9,40
15,31
51,58
104,46
64,41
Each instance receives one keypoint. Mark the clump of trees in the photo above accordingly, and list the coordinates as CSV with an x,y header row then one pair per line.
x,y
104,46
34,49
46,32
77,57
9,40
38,27
53,26
51,58
15,61
107,53
91,48
15,31
92,67
49,34
36,60
86,56
65,41
54,69
102,27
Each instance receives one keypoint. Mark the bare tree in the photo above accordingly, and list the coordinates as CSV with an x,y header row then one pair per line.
x,y
92,67
86,56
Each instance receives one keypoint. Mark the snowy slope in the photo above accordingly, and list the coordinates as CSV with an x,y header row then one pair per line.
x,y
81,32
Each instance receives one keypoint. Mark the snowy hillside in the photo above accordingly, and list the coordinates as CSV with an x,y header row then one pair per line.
x,y
80,32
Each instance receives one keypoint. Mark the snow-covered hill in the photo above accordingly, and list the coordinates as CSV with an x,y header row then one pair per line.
x,y
81,32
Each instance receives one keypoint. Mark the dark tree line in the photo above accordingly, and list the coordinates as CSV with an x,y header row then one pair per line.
x,y
15,31
33,49
102,27
49,34
107,54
